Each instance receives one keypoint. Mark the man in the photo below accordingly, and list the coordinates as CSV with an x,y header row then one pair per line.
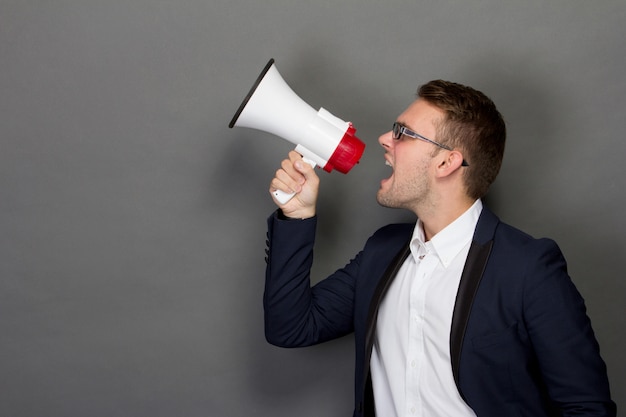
x,y
458,314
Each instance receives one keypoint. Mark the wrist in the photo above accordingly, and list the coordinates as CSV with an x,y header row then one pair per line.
x,y
296,214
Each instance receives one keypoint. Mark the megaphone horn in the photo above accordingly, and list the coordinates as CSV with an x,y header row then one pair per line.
x,y
321,138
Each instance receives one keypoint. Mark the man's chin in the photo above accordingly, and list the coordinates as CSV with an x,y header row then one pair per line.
x,y
383,199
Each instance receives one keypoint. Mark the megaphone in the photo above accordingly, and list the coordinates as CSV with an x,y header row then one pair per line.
x,y
321,138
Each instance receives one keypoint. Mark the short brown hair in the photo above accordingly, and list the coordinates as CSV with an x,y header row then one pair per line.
x,y
472,124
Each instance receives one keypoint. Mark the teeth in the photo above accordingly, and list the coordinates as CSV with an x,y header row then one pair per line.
x,y
387,163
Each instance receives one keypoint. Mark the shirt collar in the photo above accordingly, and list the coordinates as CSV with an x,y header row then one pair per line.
x,y
451,240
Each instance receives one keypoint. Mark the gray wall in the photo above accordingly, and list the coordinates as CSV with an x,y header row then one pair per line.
x,y
132,220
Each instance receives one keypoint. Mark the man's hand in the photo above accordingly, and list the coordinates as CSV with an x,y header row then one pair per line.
x,y
297,176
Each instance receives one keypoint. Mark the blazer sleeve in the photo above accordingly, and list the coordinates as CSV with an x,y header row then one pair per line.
x,y
297,314
562,337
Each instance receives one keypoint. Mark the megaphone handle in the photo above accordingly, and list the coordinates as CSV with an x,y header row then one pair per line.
x,y
284,197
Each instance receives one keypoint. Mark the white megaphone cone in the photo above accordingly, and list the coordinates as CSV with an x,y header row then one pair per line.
x,y
321,138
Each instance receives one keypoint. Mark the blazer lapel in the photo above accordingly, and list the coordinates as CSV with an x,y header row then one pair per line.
x,y
380,291
372,316
470,279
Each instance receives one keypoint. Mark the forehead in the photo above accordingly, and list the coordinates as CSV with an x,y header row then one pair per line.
x,y
421,116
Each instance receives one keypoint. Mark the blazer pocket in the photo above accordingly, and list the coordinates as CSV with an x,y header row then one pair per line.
x,y
493,358
503,337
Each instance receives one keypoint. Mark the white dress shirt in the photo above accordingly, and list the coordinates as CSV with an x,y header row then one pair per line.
x,y
410,363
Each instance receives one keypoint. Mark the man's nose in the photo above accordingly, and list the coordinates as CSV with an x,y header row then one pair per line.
x,y
386,140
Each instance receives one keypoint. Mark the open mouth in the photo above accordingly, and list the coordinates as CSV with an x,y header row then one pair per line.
x,y
388,160
389,164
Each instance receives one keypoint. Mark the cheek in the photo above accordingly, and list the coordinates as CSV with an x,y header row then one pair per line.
x,y
413,170
410,163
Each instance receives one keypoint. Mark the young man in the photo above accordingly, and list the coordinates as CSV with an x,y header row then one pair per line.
x,y
458,314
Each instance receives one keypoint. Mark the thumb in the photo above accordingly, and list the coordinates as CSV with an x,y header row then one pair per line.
x,y
304,166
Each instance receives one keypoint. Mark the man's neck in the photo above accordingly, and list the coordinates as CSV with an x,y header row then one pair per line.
x,y
438,217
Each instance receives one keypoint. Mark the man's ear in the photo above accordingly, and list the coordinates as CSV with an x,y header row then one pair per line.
x,y
450,162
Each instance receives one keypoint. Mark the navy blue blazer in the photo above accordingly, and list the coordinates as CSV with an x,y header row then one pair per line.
x,y
521,343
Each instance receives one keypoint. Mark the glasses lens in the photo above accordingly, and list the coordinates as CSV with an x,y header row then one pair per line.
x,y
396,131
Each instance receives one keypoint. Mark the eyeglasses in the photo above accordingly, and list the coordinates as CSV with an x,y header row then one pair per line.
x,y
399,130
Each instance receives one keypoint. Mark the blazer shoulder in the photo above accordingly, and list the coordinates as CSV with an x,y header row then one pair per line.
x,y
395,232
387,241
512,235
491,227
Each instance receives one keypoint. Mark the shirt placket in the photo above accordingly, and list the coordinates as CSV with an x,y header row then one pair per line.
x,y
426,263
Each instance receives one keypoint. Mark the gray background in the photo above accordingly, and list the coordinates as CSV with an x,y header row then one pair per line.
x,y
133,220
